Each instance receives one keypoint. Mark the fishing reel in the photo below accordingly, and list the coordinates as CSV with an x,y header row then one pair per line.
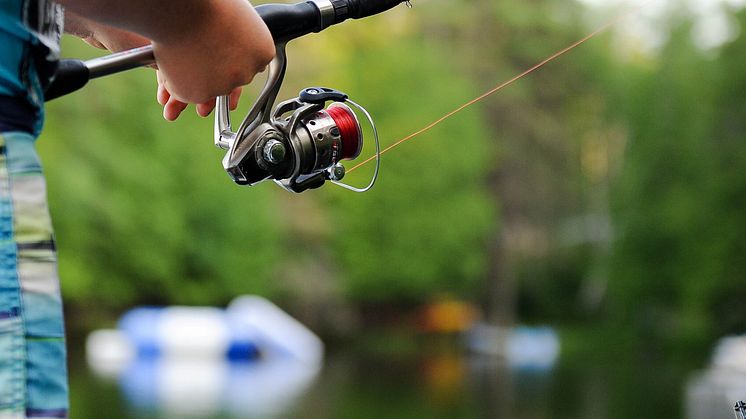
x,y
299,143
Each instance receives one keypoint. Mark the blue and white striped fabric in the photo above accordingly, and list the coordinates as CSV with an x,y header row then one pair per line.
x,y
33,376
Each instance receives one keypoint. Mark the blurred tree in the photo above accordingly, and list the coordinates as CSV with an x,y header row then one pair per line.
x,y
727,205
543,129
678,207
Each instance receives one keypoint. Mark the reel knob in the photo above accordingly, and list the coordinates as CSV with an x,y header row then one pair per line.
x,y
336,172
274,152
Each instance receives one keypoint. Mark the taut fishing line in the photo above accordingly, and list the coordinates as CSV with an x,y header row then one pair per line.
x,y
496,89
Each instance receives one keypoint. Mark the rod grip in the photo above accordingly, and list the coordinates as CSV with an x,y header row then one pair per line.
x,y
71,75
290,21
359,9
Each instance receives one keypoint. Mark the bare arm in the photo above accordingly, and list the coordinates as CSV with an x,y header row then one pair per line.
x,y
100,35
203,48
156,20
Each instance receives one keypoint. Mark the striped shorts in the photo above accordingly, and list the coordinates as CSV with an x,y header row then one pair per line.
x,y
33,373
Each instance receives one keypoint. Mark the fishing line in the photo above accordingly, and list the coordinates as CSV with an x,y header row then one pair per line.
x,y
496,89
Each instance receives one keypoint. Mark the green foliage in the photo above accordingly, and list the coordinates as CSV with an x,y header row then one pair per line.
x,y
677,270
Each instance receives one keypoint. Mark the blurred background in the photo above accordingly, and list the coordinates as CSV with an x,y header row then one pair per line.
x,y
571,247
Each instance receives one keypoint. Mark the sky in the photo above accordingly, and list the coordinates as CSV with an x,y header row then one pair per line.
x,y
712,28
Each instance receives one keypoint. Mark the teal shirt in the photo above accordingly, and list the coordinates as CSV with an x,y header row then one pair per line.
x,y
30,32
13,37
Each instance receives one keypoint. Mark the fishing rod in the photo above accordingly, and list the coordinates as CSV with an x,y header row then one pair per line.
x,y
299,143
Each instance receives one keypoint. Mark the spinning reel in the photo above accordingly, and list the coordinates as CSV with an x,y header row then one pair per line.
x,y
299,143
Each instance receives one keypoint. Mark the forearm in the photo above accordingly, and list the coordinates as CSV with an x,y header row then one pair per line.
x,y
160,21
100,35
76,25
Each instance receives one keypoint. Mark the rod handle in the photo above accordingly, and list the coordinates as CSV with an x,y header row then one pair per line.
x,y
71,75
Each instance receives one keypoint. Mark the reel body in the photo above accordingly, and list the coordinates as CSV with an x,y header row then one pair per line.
x,y
300,143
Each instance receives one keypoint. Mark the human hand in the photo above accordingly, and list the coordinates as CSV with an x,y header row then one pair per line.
x,y
173,107
223,50
115,40
234,47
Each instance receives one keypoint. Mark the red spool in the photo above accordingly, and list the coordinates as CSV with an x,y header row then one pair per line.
x,y
349,130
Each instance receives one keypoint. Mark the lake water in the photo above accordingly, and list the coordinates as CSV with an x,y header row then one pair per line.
x,y
420,384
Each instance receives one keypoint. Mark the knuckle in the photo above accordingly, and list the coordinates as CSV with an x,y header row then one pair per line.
x,y
268,54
